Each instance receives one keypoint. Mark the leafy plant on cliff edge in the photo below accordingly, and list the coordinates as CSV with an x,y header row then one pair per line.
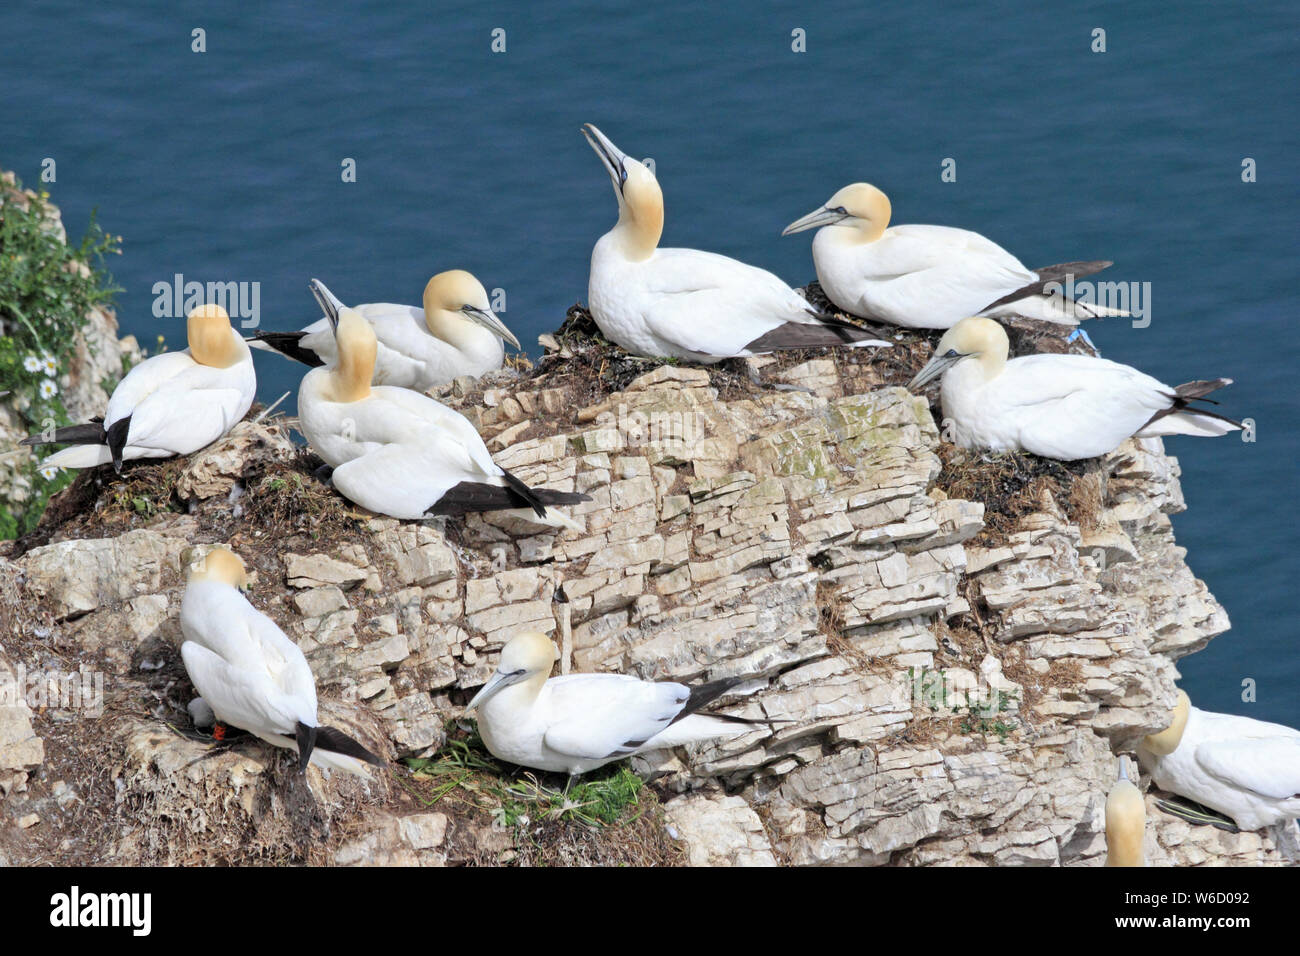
x,y
47,288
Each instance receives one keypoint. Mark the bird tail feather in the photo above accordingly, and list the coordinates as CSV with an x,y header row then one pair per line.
x,y
79,456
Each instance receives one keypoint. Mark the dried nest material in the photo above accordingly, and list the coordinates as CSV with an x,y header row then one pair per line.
x,y
278,497
100,503
588,364
512,815
1010,485
288,500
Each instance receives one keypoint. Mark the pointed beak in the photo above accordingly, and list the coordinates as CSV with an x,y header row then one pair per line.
x,y
488,319
815,220
609,154
328,302
497,682
933,369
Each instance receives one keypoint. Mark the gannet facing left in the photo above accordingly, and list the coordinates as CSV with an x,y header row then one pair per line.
x,y
1126,822
579,722
455,334
1057,406
928,277
171,404
687,304
1244,768
396,451
250,674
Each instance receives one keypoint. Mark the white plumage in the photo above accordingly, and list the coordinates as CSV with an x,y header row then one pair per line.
x,y
1246,769
579,722
1059,406
456,333
171,404
245,668
396,451
927,277
683,303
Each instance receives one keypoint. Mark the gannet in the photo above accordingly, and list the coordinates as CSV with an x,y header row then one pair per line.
x,y
455,334
686,304
249,673
1058,406
397,451
1246,769
579,722
1126,822
171,404
927,277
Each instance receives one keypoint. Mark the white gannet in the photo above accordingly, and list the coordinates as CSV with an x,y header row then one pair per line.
x,y
171,404
1246,769
1058,406
249,674
455,334
928,277
1126,822
396,451
579,722
683,303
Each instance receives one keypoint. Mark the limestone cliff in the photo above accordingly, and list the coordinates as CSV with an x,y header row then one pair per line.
x,y
952,675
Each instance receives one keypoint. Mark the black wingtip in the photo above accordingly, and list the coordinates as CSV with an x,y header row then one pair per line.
x,y
336,741
306,737
289,344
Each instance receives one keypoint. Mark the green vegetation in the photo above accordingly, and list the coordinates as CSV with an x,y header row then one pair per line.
x,y
46,289
463,767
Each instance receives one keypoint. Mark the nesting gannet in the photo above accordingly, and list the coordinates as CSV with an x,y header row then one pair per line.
x,y
250,674
927,277
683,303
455,334
1247,769
579,722
397,451
171,404
1126,822
1057,406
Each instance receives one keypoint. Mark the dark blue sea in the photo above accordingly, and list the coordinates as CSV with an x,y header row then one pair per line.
x,y
226,166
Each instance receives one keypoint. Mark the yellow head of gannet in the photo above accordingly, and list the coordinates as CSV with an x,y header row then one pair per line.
x,y
454,297
860,209
210,337
220,564
640,200
1126,822
1167,741
349,378
978,338
526,659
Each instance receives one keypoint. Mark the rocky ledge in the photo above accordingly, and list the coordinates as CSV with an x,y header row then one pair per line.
x,y
952,648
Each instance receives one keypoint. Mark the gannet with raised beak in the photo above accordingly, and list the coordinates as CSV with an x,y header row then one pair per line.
x,y
1244,768
928,277
455,334
579,722
396,451
249,673
687,304
171,404
1058,406
1126,822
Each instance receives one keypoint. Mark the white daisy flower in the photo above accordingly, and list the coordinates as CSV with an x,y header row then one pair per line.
x,y
32,363
50,366
49,472
49,389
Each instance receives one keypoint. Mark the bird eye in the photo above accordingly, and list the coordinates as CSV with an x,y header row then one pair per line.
x,y
841,210
951,353
622,174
